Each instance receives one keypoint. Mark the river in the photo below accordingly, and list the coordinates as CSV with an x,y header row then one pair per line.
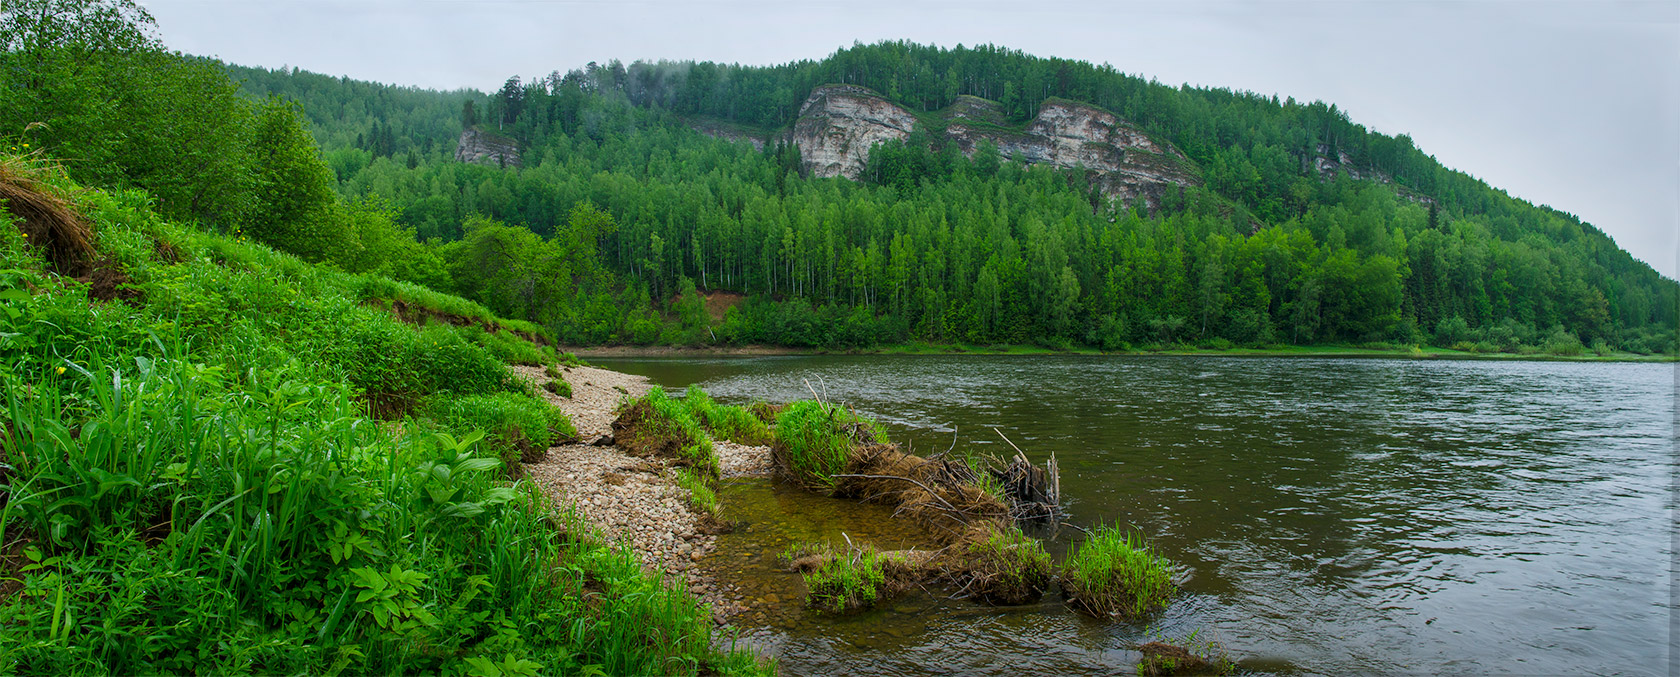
x,y
1327,516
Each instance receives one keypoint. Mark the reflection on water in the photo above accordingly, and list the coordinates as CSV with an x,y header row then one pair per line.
x,y
1332,515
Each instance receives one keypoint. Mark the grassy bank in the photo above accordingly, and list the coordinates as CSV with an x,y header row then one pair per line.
x,y
221,459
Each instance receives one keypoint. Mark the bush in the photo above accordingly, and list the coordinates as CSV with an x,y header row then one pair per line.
x,y
1115,574
814,441
1562,342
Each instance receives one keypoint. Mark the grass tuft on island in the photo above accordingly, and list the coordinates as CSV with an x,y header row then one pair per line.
x,y
1114,574
1001,565
736,424
814,441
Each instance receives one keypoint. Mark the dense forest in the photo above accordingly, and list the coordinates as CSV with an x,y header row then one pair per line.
x,y
621,220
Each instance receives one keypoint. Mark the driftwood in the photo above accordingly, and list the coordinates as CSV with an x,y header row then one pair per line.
x,y
1034,493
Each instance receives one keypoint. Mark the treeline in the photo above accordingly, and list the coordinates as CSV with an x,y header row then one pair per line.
x,y
987,251
622,216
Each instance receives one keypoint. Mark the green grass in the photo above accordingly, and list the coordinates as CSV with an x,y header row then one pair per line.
x,y
241,471
845,582
701,496
658,425
1114,574
813,440
517,426
1187,655
1007,567
557,382
735,424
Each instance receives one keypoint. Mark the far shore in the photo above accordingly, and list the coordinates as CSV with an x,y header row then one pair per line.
x,y
1420,352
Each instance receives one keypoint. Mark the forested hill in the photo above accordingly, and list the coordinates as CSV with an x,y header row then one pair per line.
x,y
1287,224
1302,227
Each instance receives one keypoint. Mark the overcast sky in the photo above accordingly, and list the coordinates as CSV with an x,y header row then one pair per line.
x,y
1570,104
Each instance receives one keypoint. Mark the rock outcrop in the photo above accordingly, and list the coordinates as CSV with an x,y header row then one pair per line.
x,y
838,124
1121,159
480,146
1327,169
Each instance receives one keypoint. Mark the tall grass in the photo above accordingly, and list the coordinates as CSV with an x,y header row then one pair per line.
x,y
735,424
843,581
814,441
701,496
517,427
1005,566
1113,573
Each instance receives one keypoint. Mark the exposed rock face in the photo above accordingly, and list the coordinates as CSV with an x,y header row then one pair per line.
x,y
1327,169
479,146
1122,160
838,124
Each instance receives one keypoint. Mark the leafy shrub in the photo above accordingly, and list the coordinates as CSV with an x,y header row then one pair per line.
x,y
1115,574
1562,342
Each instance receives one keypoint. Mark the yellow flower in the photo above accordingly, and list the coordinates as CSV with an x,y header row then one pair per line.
x,y
61,370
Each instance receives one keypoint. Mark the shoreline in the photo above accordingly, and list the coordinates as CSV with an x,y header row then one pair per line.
x,y
1349,352
636,502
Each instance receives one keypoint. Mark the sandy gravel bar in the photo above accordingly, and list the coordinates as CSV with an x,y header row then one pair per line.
x,y
633,501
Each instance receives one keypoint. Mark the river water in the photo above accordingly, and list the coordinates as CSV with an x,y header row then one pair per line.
x,y
1328,516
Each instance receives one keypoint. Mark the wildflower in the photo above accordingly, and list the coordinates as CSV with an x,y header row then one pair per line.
x,y
61,370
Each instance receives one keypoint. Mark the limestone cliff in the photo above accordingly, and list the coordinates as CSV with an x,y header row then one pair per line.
x,y
480,146
839,123
1122,160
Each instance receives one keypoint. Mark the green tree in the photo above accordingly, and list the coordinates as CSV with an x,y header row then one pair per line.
x,y
296,209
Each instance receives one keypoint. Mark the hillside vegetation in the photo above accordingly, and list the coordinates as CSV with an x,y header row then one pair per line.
x,y
217,457
936,246
221,459
622,223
